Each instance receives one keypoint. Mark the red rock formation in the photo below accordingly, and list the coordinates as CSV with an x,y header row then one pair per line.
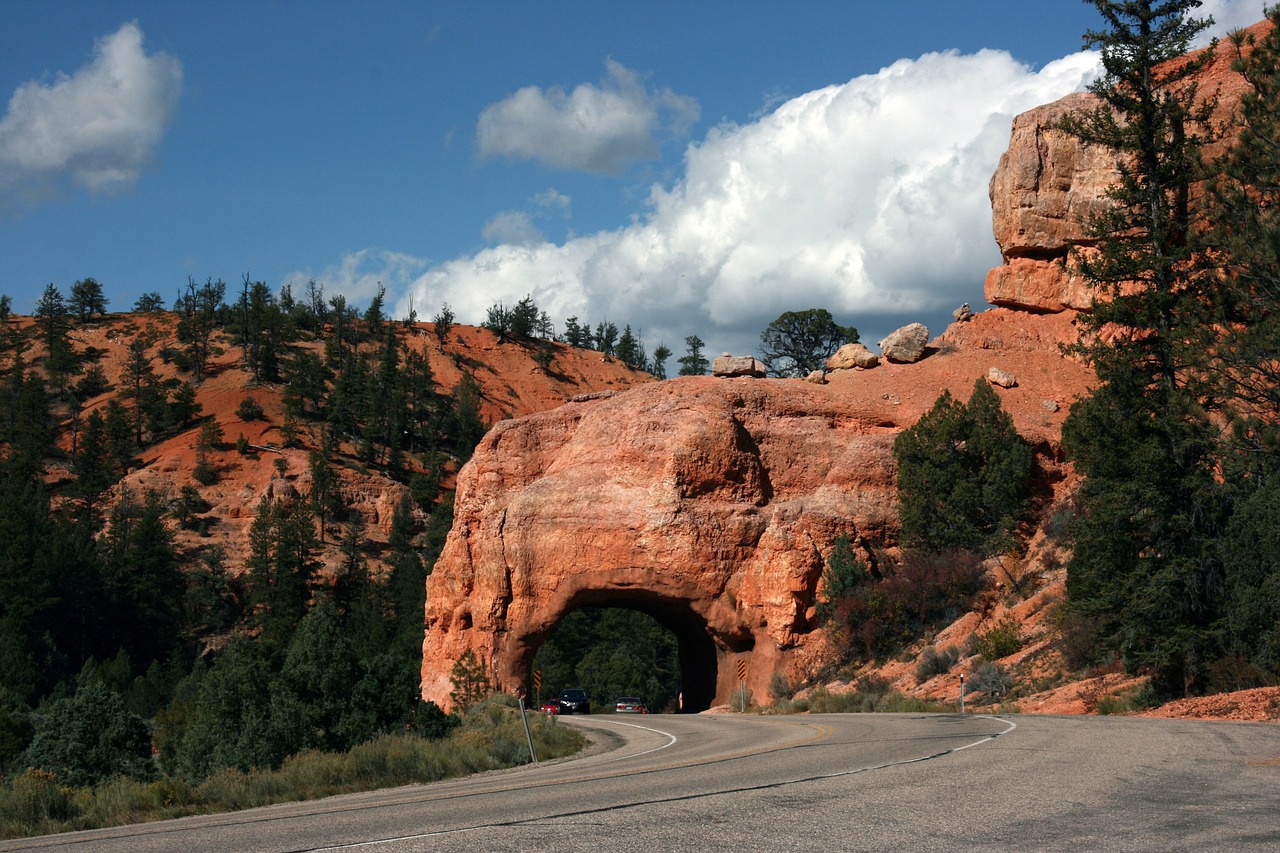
x,y
1048,184
709,503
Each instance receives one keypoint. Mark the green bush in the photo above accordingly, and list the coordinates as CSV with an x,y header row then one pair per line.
x,y
1000,641
249,409
964,475
90,737
490,736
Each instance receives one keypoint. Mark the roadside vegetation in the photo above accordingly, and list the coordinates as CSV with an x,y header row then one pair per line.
x,y
490,735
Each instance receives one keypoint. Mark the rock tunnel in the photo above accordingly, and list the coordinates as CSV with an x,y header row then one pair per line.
x,y
703,654
708,504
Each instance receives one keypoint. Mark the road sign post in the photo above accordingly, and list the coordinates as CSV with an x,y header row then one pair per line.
x,y
742,684
962,693
537,687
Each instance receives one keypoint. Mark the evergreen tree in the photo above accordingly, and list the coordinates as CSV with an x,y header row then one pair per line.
x,y
693,362
524,318
51,319
90,737
1143,568
143,579
575,335
443,323
1245,229
963,475
843,574
198,318
467,428
87,299
148,303
606,337
658,366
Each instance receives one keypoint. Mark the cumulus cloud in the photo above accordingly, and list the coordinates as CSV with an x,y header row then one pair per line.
x,y
594,128
357,276
867,198
1229,15
96,128
512,226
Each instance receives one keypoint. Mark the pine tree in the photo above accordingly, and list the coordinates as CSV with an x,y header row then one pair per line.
x,y
1245,229
87,299
1143,568
963,475
693,362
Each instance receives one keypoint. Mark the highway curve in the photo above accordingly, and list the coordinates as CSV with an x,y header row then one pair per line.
x,y
915,782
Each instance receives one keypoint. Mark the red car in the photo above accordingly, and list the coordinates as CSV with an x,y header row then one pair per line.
x,y
550,707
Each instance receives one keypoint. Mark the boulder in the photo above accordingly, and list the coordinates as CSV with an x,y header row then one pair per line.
x,y
963,313
996,376
738,365
852,356
906,345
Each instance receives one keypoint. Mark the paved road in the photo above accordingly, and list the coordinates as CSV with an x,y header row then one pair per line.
x,y
916,782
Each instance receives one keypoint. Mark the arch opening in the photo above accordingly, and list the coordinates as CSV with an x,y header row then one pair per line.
x,y
672,646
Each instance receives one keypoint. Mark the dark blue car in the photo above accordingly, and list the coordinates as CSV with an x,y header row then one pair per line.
x,y
574,701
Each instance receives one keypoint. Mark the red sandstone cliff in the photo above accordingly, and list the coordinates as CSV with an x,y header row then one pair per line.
x,y
1047,185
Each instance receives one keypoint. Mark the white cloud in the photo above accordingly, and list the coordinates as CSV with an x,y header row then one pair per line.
x,y
97,128
512,226
552,199
601,128
867,198
357,276
1229,15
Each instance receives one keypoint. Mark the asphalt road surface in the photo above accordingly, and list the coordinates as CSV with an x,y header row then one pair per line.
x,y
912,782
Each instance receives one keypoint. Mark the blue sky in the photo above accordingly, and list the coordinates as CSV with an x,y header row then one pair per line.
x,y
685,168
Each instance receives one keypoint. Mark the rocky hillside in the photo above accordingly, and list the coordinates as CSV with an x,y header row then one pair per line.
x,y
510,382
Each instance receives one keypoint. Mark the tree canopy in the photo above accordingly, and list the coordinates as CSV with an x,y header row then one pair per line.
x,y
798,342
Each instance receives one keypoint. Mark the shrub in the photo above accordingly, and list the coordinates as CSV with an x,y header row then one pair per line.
x,y
935,661
249,410
30,801
1000,641
990,678
470,680
843,574
886,614
89,737
964,475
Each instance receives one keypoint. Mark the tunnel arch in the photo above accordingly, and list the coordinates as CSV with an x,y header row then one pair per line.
x,y
702,652
709,505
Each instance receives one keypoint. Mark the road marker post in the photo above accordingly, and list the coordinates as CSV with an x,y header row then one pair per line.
x,y
962,693
742,684
537,688
533,756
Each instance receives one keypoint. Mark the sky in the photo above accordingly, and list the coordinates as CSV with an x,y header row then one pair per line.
x,y
685,168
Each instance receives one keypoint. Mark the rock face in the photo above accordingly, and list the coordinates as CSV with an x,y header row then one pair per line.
x,y
1048,184
709,504
905,345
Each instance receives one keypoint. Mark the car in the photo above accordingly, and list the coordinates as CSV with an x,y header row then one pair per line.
x,y
574,700
629,705
550,707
